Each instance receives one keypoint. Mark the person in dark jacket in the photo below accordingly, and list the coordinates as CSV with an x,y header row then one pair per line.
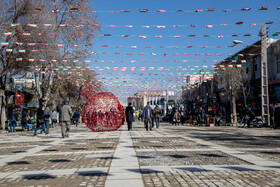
x,y
13,122
147,116
40,118
157,115
47,115
277,116
129,116
76,117
251,114
272,114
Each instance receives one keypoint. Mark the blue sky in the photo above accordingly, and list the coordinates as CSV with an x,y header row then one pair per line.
x,y
154,56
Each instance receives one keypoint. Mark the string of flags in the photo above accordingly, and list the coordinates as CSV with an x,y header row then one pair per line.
x,y
161,10
6,44
132,26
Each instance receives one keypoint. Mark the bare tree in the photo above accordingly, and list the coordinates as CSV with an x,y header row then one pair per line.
x,y
231,78
44,35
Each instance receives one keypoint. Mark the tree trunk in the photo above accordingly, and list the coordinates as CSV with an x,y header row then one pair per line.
x,y
37,82
48,91
245,97
3,110
234,108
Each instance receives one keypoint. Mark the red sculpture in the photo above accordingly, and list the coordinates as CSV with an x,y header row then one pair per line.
x,y
102,111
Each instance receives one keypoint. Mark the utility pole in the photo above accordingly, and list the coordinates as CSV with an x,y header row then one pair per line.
x,y
264,76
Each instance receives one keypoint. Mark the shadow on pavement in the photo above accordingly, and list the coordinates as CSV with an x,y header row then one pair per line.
x,y
177,156
38,177
79,148
238,168
18,163
92,173
211,155
193,169
47,150
19,152
144,171
145,157
60,160
107,157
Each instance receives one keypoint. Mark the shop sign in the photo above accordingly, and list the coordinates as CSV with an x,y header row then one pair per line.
x,y
19,100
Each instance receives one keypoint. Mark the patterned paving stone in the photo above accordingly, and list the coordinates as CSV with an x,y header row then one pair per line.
x,y
187,158
79,179
212,178
164,143
68,161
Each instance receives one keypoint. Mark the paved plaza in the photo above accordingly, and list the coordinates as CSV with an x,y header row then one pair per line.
x,y
167,156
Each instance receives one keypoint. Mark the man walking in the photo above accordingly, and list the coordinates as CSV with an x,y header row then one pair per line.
x,y
47,115
147,116
65,118
40,118
76,117
129,116
272,113
157,115
54,118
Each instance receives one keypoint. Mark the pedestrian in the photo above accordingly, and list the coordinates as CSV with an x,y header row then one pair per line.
x,y
47,115
76,117
177,117
277,116
65,118
129,116
201,116
157,115
183,114
272,114
13,122
40,118
251,114
147,116
54,118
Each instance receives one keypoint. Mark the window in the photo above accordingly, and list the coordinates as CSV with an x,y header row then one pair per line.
x,y
278,63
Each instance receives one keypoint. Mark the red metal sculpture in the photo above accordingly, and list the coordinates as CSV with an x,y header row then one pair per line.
x,y
102,111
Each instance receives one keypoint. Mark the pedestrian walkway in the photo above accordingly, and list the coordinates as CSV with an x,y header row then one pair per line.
x,y
124,170
167,156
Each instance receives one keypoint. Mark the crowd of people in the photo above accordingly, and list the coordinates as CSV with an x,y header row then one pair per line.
x,y
47,118
199,115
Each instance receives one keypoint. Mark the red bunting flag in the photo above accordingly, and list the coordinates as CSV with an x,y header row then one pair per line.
x,y
143,10
74,9
144,37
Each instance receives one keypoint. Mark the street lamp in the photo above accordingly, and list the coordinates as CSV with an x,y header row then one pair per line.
x,y
241,42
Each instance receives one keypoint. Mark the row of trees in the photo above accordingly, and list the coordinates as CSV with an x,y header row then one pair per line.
x,y
51,39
